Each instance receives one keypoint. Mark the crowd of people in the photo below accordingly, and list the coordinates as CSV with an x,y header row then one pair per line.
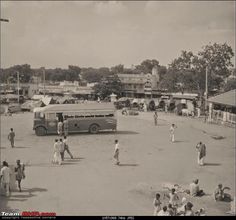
x,y
176,207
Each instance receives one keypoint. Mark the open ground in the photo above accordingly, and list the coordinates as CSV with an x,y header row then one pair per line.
x,y
92,185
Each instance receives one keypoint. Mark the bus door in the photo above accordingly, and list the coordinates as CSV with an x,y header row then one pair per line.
x,y
51,122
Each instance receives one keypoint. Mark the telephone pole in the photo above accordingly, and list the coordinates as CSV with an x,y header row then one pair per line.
x,y
206,89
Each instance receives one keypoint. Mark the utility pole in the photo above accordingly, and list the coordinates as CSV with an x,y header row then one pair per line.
x,y
18,86
43,81
206,89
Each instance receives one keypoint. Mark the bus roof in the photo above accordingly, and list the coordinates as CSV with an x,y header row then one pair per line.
x,y
75,107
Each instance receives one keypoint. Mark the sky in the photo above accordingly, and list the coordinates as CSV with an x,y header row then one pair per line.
x,y
107,33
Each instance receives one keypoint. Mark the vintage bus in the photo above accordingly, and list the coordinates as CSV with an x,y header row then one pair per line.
x,y
90,117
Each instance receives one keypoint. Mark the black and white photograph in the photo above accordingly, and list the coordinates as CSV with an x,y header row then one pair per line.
x,y
117,109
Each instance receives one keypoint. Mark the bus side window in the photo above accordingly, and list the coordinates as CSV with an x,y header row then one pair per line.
x,y
51,116
110,115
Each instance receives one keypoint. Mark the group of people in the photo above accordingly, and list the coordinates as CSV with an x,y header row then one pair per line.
x,y
6,173
185,208
60,147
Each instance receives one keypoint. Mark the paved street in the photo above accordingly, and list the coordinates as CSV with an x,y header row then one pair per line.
x,y
92,185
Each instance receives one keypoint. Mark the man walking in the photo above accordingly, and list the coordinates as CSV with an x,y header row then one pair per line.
x,y
11,137
20,173
66,147
116,153
201,149
5,177
155,116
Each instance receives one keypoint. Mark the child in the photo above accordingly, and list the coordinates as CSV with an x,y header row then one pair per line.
x,y
116,154
157,204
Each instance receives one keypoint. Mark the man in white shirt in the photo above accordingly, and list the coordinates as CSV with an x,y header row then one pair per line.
x,y
5,177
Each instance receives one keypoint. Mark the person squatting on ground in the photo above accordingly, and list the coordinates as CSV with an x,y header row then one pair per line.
x,y
5,178
20,173
56,155
194,189
117,152
66,126
201,149
62,149
172,132
155,116
60,128
11,137
157,204
66,147
220,195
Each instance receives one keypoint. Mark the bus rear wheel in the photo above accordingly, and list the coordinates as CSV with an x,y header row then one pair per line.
x,y
93,129
40,131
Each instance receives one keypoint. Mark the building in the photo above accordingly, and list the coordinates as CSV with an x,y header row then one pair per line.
x,y
140,85
222,108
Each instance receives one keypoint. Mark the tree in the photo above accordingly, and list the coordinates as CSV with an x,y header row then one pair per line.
x,y
190,69
117,69
218,58
107,86
146,66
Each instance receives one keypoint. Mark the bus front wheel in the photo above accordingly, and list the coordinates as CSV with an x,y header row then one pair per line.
x,y
93,129
40,131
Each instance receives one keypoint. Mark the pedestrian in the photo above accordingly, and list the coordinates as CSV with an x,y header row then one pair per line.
x,y
172,132
155,116
5,178
163,212
11,137
157,204
62,149
66,147
173,197
117,152
56,155
66,126
195,190
20,173
201,149
60,128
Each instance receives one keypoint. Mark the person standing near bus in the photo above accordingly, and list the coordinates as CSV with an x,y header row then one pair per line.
x,y
60,128
66,147
117,152
11,137
65,126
